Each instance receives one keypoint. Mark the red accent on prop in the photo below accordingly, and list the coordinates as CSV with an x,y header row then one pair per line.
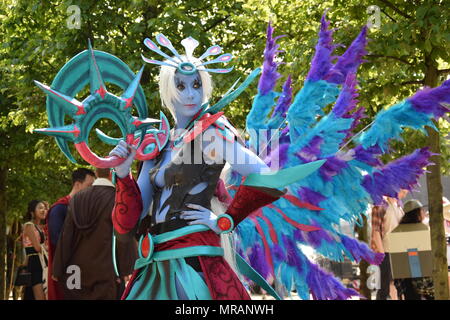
x,y
101,91
246,200
137,122
148,139
96,161
295,201
80,110
129,102
128,206
224,223
76,131
145,247
300,226
201,125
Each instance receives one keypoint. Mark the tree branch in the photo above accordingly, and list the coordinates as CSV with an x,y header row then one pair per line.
x,y
215,23
384,11
412,82
199,9
400,12
389,57
443,72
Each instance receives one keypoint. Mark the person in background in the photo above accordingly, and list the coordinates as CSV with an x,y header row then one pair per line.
x,y
81,179
414,288
446,209
386,218
33,239
87,242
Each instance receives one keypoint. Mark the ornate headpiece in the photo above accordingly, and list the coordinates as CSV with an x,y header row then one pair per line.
x,y
192,64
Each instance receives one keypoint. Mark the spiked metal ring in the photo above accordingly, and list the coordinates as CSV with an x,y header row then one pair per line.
x,y
94,68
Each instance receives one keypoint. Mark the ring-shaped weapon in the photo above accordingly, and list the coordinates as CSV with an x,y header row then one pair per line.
x,y
95,68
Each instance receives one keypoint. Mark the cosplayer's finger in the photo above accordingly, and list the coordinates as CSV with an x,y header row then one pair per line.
x,y
198,221
190,212
120,150
192,215
196,206
192,218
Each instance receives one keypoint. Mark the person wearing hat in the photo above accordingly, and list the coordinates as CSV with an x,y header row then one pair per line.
x,y
414,288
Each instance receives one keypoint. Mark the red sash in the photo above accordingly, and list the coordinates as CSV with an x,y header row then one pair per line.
x,y
222,282
54,289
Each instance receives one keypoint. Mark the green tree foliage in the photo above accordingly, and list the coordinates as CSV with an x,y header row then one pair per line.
x,y
36,42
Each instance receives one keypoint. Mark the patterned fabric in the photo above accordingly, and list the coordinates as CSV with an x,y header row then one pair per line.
x,y
378,213
128,205
153,281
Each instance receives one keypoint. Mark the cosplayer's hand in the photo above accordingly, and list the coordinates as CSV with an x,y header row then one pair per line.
x,y
201,215
123,150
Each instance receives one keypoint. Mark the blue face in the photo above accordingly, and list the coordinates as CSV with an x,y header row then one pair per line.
x,y
190,91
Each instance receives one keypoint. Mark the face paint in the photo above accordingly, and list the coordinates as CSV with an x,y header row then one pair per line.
x,y
190,92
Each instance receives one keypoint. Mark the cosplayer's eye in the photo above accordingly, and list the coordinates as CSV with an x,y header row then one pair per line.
x,y
180,86
197,84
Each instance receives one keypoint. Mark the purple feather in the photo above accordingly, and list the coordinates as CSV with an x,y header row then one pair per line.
x,y
350,60
258,260
298,236
332,167
311,151
324,286
269,74
321,63
278,253
347,98
368,155
281,152
285,100
310,196
360,250
357,116
284,136
429,100
315,238
402,173
291,253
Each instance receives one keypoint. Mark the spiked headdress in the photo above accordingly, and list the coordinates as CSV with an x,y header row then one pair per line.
x,y
189,64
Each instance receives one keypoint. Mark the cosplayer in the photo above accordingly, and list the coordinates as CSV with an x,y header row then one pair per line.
x,y
320,173
186,261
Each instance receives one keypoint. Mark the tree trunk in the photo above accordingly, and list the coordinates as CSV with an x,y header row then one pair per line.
x,y
363,236
3,172
434,186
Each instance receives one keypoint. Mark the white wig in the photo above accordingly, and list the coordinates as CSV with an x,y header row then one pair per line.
x,y
168,90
